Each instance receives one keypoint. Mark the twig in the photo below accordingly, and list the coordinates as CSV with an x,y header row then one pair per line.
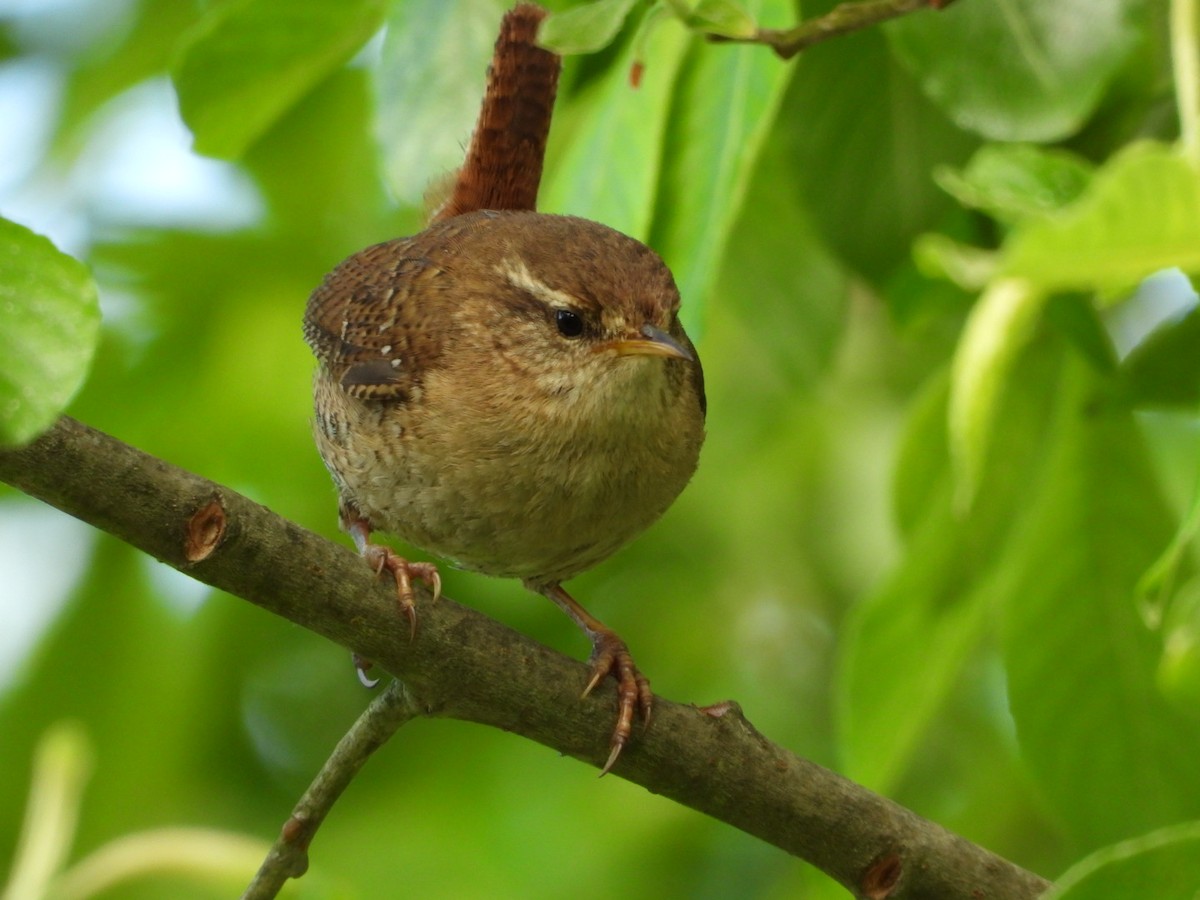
x,y
842,19
466,666
288,857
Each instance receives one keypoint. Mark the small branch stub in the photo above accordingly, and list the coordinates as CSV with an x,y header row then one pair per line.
x,y
722,709
881,876
205,529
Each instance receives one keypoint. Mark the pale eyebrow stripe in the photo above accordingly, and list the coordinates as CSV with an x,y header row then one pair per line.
x,y
519,276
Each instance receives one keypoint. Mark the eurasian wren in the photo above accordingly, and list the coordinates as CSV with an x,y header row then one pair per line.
x,y
509,390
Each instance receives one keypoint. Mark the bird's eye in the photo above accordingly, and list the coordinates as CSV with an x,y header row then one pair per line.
x,y
569,323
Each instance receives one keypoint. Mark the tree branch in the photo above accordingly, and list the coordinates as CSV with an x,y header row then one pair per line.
x,y
842,19
466,666
288,857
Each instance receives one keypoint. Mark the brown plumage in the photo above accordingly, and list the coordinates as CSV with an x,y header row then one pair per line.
x,y
503,167
452,411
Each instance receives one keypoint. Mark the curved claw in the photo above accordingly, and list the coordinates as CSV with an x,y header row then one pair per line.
x,y
380,557
610,656
429,574
612,758
361,665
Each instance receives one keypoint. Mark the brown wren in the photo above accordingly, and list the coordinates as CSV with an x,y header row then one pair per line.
x,y
508,390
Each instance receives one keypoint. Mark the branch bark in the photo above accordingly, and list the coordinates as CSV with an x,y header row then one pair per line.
x,y
466,666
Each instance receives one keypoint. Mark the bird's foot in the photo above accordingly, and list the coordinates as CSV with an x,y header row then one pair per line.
x,y
610,656
379,557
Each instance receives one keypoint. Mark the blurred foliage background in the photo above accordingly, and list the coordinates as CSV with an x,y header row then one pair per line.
x,y
943,534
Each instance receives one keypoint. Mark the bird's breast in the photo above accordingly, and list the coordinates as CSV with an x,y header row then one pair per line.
x,y
540,494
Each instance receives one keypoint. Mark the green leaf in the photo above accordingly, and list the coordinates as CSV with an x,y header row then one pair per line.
x,y
145,50
923,454
1162,599
1081,662
939,256
429,84
1021,70
852,107
921,627
584,29
341,178
1164,370
925,624
724,17
927,309
780,289
1140,214
606,146
1074,316
1178,675
724,106
51,328
1164,864
1011,182
998,328
1156,585
248,61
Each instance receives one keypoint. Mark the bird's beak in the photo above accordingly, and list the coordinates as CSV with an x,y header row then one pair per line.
x,y
655,342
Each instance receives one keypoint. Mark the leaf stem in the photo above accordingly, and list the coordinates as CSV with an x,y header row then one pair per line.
x,y
1185,62
61,768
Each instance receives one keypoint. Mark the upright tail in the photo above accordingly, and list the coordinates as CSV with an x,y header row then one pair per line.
x,y
503,167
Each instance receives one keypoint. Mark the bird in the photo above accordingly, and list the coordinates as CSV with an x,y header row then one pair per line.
x,y
510,391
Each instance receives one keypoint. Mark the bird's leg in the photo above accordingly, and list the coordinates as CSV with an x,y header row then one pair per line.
x,y
610,656
380,557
